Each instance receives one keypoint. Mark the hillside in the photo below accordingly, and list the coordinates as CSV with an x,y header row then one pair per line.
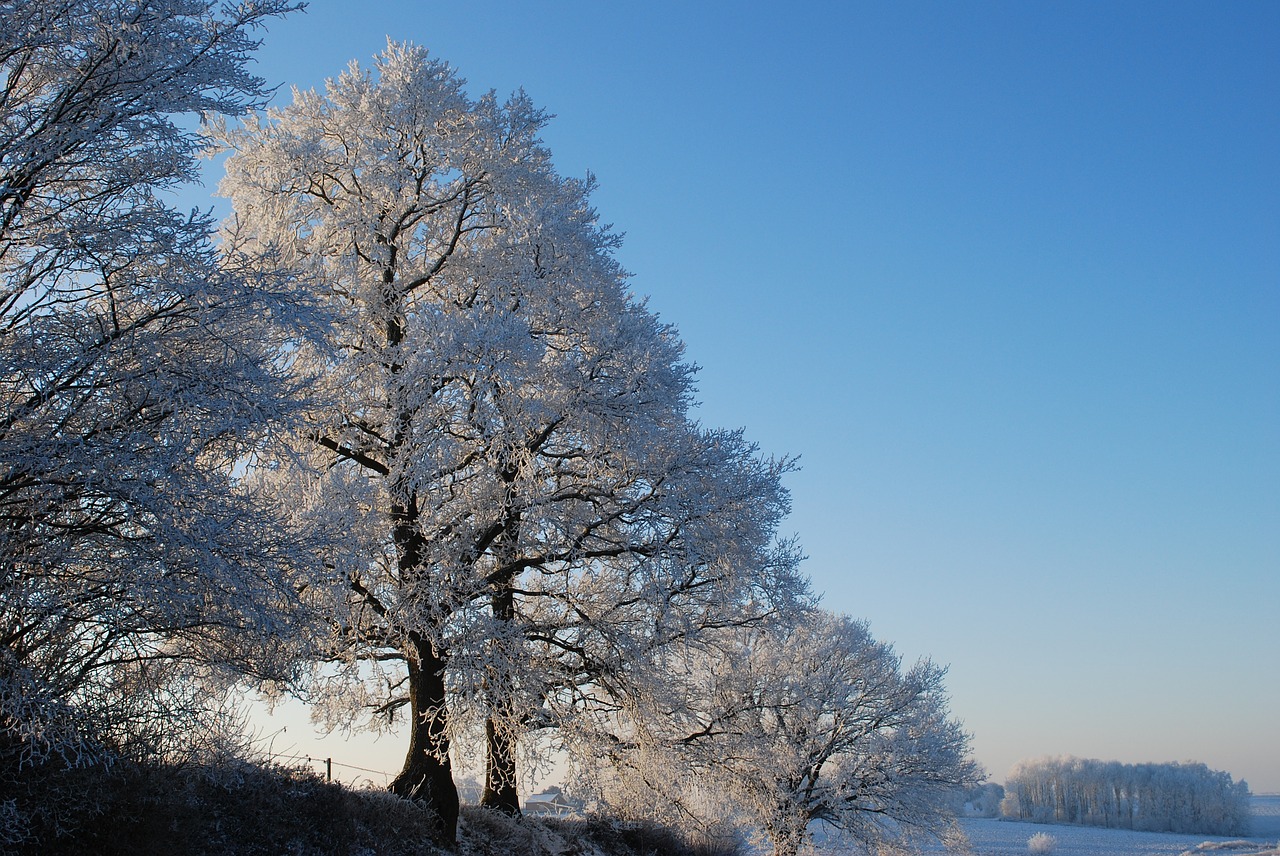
x,y
240,809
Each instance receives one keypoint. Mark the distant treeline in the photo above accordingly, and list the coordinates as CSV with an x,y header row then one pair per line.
x,y
1152,797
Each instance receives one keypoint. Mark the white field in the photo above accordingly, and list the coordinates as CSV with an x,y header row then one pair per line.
x,y
991,837
1009,838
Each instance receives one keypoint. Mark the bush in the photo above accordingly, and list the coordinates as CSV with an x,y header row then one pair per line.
x,y
1041,844
980,800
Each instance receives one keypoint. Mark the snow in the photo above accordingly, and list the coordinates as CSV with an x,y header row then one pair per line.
x,y
995,837
1266,815
990,837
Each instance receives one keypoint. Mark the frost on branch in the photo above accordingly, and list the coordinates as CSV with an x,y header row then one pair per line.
x,y
1041,844
533,514
138,375
789,725
1186,797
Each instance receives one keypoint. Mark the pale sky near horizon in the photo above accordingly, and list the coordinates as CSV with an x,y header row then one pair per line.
x,y
1005,276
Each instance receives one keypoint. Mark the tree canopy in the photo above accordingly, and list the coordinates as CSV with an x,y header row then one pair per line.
x,y
505,429
1154,797
138,372
800,722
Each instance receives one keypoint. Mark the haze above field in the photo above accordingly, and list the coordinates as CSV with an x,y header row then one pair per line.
x,y
1005,276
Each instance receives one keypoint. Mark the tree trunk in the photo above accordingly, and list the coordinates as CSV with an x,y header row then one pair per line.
x,y
500,772
500,758
786,846
428,775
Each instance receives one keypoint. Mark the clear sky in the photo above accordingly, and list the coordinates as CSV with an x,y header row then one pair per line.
x,y
1006,277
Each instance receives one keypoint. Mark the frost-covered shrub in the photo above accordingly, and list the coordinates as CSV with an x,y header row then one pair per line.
x,y
982,800
1041,844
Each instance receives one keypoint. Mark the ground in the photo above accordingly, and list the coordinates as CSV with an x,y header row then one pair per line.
x,y
1009,838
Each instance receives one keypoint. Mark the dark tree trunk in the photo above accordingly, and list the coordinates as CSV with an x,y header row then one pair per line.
x,y
500,758
500,772
428,775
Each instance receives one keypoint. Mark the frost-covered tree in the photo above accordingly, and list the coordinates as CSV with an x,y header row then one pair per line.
x,y
1170,797
793,724
981,800
137,371
531,509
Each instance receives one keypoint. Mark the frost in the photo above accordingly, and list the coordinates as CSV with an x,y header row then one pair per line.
x,y
135,369
1158,797
529,513
1041,844
801,723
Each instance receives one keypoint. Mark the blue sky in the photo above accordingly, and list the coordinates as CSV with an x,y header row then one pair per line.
x,y
1006,277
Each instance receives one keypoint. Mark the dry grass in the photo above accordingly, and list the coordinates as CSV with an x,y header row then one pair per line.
x,y
240,809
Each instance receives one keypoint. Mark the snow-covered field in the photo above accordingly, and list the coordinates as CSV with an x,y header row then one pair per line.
x,y
1009,838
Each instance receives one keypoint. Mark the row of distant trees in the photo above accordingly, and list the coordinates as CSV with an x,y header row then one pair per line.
x,y
396,438
1153,797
